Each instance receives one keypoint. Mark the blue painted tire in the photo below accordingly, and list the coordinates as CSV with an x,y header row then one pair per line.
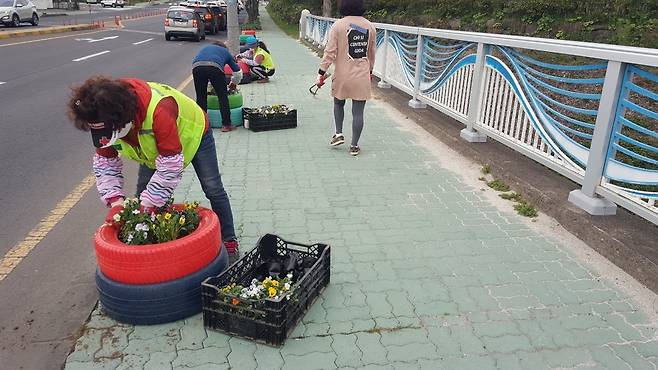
x,y
156,303
215,118
236,117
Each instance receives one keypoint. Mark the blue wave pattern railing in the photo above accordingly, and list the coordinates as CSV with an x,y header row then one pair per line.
x,y
546,110
632,160
551,108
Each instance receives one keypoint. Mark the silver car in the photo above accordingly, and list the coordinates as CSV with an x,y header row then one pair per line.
x,y
183,22
13,12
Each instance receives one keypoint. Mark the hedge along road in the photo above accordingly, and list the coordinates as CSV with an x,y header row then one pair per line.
x,y
47,289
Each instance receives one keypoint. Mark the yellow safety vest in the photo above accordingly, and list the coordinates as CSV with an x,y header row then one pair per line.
x,y
191,124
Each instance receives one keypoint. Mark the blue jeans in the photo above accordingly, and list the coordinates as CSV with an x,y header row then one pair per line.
x,y
207,170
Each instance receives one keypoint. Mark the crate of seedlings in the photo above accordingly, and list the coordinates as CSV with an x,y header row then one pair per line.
x,y
264,294
270,117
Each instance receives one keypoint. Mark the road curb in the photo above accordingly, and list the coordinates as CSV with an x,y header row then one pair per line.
x,y
48,30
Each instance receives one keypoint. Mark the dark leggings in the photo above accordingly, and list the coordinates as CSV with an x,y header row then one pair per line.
x,y
261,72
357,118
202,75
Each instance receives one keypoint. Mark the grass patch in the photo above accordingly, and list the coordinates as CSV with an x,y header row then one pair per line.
x,y
526,209
514,196
498,185
291,30
485,169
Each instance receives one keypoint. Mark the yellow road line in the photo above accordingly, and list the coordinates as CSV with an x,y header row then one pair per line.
x,y
184,84
15,255
48,38
22,249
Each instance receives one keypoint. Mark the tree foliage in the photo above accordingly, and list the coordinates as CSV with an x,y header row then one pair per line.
x,y
629,22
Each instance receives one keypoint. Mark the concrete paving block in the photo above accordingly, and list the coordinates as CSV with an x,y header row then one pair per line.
x,y
567,357
373,352
310,361
411,353
192,334
85,348
242,354
160,360
507,343
130,362
403,336
268,357
205,356
347,352
300,347
629,355
443,341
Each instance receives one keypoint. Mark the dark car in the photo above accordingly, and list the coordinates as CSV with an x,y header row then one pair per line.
x,y
220,13
210,20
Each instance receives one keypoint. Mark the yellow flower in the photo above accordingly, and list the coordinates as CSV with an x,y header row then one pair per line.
x,y
167,216
275,283
271,292
181,221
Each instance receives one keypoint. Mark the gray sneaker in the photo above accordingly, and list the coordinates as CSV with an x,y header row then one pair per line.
x,y
337,139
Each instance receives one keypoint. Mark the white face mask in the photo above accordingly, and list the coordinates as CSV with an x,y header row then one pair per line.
x,y
116,135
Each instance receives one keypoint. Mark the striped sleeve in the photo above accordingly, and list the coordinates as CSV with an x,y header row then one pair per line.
x,y
167,176
109,177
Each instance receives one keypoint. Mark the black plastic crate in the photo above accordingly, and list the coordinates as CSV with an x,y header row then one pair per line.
x,y
266,122
267,321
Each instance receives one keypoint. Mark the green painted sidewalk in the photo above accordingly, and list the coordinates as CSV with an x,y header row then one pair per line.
x,y
427,272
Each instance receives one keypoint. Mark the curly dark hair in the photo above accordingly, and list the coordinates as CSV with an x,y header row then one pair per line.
x,y
102,99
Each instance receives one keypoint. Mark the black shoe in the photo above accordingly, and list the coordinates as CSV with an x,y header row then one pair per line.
x,y
354,150
337,140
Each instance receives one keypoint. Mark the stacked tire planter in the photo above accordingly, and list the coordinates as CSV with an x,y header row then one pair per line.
x,y
235,102
157,283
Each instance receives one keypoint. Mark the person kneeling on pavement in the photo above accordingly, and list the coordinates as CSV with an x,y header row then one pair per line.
x,y
259,60
208,66
160,128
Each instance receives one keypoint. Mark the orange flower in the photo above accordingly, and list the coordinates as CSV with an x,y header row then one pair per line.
x,y
235,301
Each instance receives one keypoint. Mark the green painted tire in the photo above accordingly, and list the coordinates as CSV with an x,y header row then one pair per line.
x,y
235,101
213,102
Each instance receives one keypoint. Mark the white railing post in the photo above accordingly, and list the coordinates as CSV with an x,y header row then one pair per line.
x,y
586,197
414,102
475,99
382,84
303,21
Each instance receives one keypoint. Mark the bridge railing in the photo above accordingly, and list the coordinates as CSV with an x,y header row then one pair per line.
x,y
587,111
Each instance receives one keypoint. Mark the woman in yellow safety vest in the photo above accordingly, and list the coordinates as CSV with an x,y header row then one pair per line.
x,y
160,128
262,65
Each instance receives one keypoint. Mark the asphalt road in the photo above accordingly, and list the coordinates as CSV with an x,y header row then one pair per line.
x,y
51,292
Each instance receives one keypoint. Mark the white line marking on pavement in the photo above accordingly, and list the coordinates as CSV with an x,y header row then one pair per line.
x,y
49,38
105,38
2,83
141,42
91,56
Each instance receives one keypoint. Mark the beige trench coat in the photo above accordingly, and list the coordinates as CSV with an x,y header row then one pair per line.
x,y
351,47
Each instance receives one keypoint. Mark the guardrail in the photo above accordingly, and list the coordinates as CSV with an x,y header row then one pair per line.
x,y
587,111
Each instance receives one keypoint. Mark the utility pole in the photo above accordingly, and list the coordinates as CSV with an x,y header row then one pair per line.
x,y
232,26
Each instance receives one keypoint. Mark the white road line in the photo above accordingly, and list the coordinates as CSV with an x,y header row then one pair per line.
x,y
141,42
91,56
2,83
104,38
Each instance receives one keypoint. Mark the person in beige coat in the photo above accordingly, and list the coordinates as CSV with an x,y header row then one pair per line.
x,y
351,47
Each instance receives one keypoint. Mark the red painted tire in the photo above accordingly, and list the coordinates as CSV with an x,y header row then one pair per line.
x,y
158,263
228,71
244,67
